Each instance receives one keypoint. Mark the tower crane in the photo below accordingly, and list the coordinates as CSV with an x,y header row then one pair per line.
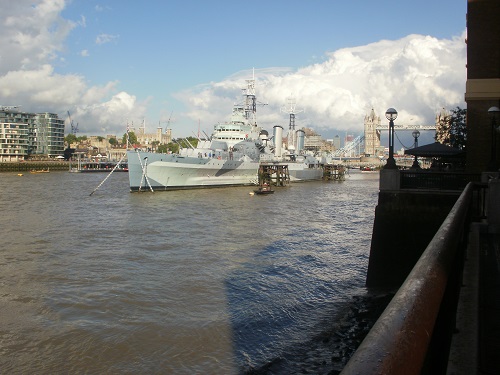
x,y
74,128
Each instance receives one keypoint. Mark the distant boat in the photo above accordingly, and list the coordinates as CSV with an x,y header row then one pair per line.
x,y
368,169
40,170
93,166
264,189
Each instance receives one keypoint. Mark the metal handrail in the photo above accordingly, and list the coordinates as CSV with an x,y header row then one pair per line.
x,y
399,341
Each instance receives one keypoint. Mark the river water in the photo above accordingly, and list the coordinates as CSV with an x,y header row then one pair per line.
x,y
212,281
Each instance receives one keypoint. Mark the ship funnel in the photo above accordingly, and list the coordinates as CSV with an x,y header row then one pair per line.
x,y
300,140
278,139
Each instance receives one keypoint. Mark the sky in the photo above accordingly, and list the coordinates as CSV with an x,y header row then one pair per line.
x,y
182,64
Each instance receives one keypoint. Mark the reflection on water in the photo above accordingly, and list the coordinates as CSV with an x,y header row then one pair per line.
x,y
207,281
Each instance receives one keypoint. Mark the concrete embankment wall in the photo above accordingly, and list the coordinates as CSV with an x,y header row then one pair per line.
x,y
34,165
405,223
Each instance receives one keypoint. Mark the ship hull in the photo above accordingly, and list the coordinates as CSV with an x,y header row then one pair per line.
x,y
300,173
171,172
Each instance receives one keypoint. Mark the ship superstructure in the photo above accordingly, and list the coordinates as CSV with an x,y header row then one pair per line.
x,y
231,156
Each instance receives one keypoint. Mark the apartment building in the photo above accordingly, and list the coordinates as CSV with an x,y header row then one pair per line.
x,y
24,134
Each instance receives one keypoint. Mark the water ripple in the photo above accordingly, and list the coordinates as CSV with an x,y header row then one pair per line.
x,y
206,281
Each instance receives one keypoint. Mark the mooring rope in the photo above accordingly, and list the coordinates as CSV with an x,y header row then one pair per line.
x,y
116,166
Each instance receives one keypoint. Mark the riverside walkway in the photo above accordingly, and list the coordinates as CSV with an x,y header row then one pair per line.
x,y
478,313
445,317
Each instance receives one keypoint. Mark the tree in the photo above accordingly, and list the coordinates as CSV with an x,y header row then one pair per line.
x,y
193,141
113,141
132,138
70,138
162,149
173,147
451,128
458,128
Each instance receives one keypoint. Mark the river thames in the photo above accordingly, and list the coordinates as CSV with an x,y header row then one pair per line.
x,y
213,281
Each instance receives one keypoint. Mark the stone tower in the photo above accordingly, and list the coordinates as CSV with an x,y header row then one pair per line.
x,y
372,135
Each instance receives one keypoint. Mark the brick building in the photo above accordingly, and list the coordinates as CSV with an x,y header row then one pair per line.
x,y
483,81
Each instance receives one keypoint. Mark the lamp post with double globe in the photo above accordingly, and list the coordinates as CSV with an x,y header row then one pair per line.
x,y
391,114
415,134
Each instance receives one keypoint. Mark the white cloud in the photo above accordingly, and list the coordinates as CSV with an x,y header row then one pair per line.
x,y
82,22
34,33
105,38
418,75
31,34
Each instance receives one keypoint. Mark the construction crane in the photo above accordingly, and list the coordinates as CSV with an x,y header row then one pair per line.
x,y
74,128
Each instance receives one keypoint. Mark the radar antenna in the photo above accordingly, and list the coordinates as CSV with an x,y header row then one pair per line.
x,y
290,108
251,100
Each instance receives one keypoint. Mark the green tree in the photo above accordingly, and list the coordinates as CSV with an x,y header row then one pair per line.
x,y
170,147
113,141
452,130
132,138
184,142
173,147
162,149
70,138
193,141
458,128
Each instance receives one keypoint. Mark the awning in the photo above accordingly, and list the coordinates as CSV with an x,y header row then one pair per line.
x,y
435,149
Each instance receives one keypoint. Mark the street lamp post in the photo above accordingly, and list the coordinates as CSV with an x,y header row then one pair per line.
x,y
391,114
494,113
415,134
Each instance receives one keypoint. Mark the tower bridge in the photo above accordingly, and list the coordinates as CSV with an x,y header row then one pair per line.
x,y
373,129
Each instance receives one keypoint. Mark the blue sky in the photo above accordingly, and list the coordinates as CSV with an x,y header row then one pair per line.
x,y
115,62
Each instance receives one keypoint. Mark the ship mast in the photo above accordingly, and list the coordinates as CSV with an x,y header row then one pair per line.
x,y
292,111
251,101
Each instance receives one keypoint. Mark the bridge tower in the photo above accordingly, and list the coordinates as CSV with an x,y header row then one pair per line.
x,y
372,135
